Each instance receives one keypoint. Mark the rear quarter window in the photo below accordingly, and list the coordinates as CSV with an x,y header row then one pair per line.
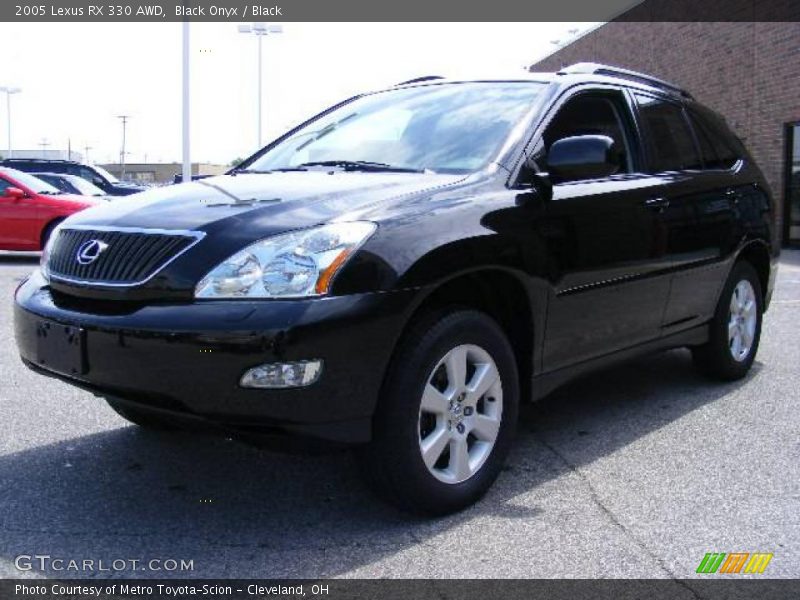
x,y
721,148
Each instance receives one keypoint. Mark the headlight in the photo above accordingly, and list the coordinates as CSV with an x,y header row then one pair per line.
x,y
297,264
48,248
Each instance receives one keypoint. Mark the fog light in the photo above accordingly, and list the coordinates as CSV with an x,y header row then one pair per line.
x,y
282,375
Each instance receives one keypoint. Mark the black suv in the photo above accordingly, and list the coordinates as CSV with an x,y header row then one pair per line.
x,y
91,173
400,271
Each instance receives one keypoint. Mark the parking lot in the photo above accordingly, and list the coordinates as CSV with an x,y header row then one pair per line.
x,y
637,471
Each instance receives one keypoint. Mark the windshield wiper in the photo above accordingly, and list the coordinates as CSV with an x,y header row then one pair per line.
x,y
266,171
237,171
360,165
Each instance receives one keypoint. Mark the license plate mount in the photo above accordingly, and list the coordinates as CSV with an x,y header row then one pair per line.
x,y
61,348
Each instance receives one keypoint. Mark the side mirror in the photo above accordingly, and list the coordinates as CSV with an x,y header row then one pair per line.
x,y
582,157
14,193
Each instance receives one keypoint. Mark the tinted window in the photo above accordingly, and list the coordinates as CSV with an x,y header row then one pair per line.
x,y
51,179
719,152
90,176
672,147
590,114
86,174
705,141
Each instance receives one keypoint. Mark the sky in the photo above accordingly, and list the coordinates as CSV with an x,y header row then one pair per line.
x,y
76,78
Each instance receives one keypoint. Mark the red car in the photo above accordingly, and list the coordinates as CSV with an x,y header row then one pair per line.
x,y
30,208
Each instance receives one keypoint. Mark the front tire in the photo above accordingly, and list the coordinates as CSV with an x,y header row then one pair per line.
x,y
446,418
735,330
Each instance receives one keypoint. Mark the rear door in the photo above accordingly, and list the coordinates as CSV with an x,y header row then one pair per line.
x,y
609,280
698,216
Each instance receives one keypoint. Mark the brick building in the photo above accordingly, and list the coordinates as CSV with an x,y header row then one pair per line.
x,y
747,71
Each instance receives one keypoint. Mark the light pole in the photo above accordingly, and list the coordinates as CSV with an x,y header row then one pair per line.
x,y
9,91
186,171
260,30
124,119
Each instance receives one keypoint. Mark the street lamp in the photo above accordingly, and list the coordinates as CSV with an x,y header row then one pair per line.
x,y
124,119
260,30
186,168
9,91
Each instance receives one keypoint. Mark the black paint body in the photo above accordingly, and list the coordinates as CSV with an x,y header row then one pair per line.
x,y
609,268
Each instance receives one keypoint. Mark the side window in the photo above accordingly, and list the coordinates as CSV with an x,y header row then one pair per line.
x,y
671,144
598,114
718,151
90,176
4,185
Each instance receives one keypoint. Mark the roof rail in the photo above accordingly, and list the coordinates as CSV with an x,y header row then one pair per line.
x,y
420,79
587,68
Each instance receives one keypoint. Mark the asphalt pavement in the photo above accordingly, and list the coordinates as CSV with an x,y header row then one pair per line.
x,y
637,471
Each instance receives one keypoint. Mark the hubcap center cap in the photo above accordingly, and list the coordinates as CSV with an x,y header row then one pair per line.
x,y
456,411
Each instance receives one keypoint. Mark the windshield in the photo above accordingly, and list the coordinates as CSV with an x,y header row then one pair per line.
x,y
450,128
86,188
105,174
32,183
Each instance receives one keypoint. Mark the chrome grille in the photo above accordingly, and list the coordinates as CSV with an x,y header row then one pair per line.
x,y
131,257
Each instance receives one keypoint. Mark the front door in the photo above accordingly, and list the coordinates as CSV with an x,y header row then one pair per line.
x,y
609,280
18,220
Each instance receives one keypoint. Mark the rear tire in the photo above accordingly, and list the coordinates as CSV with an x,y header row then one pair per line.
x,y
141,418
735,330
446,418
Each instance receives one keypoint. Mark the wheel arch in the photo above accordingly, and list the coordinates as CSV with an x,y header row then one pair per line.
x,y
757,253
501,293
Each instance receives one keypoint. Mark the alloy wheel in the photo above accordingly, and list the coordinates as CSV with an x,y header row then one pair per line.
x,y
460,414
742,320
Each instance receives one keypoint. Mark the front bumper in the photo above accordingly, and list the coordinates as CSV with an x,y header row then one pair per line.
x,y
187,359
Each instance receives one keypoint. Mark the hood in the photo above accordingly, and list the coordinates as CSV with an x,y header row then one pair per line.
x,y
236,210
259,205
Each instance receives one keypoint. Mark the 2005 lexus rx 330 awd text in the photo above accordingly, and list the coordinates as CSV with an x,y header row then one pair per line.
x,y
402,270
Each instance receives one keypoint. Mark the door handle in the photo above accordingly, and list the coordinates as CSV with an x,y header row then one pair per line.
x,y
660,203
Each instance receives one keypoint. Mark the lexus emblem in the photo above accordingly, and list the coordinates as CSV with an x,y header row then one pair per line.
x,y
88,252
